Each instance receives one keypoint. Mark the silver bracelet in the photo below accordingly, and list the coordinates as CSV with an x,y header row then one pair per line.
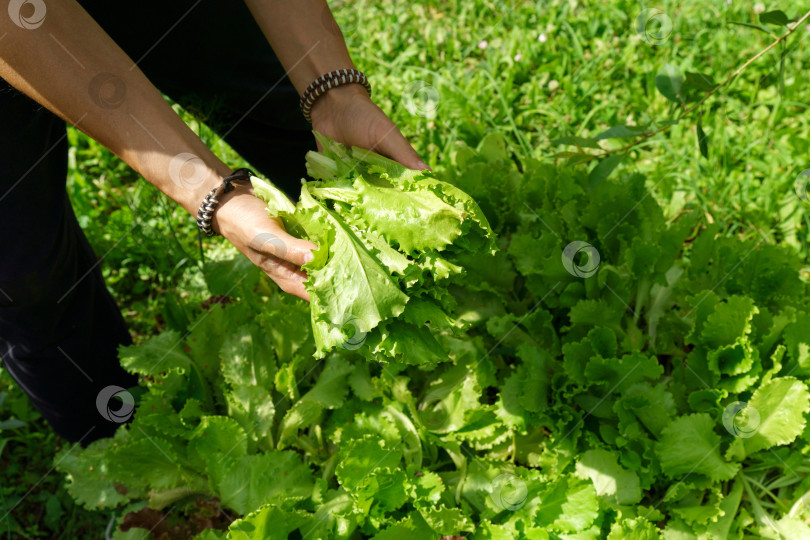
x,y
209,204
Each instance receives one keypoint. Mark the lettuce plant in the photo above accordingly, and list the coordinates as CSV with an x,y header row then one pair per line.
x,y
388,241
606,372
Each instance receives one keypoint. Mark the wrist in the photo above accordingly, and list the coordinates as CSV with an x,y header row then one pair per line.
x,y
221,196
337,99
212,179
228,210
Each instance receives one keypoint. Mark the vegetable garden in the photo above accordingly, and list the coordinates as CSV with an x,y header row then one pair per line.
x,y
590,320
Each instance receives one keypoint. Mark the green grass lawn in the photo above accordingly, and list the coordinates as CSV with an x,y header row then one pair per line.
x,y
449,71
544,71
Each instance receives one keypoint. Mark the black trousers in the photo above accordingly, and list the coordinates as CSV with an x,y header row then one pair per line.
x,y
59,326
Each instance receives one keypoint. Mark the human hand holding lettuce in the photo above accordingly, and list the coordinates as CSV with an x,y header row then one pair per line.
x,y
345,113
358,222
388,238
148,135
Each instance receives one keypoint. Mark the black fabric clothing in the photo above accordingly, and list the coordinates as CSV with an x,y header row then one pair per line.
x,y
59,326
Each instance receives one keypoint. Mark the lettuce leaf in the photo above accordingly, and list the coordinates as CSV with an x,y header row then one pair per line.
x,y
379,228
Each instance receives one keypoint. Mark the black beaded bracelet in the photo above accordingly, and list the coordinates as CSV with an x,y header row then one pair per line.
x,y
326,82
210,202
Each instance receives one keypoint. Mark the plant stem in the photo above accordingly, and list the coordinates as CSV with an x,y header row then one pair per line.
x,y
759,513
750,61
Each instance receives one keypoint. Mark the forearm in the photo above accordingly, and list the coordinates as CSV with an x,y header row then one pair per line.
x,y
62,64
304,36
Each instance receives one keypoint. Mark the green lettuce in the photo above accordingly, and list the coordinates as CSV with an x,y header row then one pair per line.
x,y
662,396
388,241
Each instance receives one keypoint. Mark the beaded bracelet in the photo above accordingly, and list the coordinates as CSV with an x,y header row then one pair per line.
x,y
333,79
210,202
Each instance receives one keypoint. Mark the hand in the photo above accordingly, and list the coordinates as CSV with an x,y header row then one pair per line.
x,y
242,219
348,115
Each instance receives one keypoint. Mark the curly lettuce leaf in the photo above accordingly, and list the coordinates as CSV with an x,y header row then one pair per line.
x,y
689,445
780,405
346,283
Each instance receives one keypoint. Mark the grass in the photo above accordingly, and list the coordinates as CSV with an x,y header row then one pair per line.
x,y
577,68
536,71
